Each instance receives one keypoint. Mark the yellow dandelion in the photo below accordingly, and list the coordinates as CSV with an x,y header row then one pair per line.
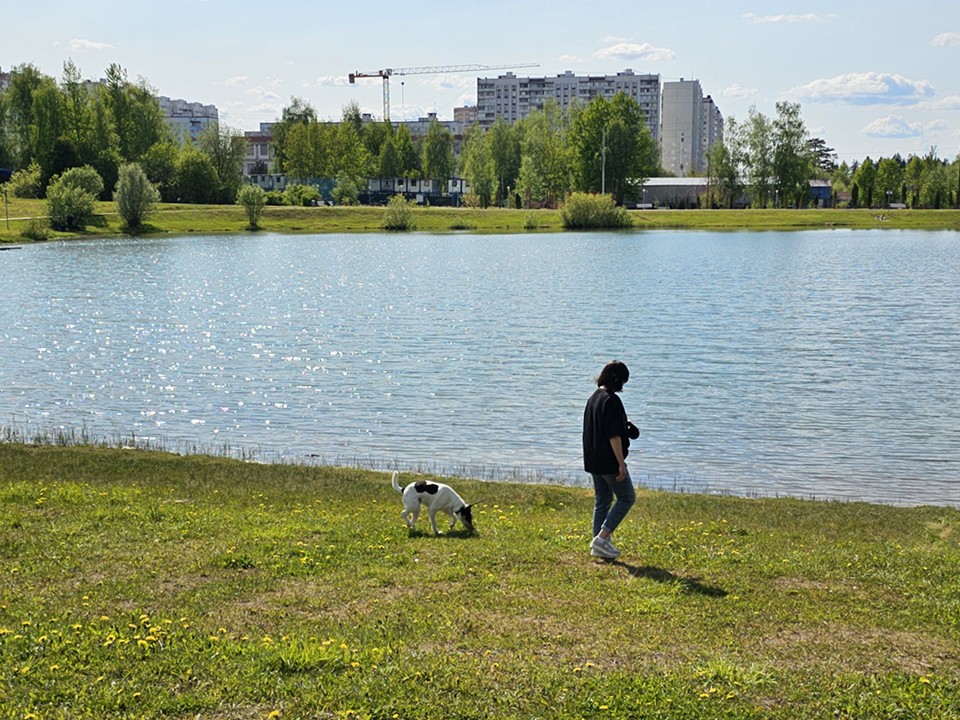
x,y
274,714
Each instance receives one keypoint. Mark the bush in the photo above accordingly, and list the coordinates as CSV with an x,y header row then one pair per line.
x,y
135,195
302,195
253,199
85,178
585,211
274,197
72,198
346,191
26,183
36,230
399,214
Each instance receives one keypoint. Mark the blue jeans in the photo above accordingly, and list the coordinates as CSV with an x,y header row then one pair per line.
x,y
606,488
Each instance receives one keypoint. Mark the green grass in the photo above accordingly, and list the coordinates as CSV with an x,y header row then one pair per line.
x,y
138,583
205,219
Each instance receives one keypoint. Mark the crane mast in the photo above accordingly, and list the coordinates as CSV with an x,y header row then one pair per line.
x,y
387,73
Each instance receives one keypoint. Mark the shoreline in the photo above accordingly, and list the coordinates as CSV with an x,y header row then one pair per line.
x,y
180,219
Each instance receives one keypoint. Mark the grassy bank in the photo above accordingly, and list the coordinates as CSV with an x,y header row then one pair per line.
x,y
184,219
143,584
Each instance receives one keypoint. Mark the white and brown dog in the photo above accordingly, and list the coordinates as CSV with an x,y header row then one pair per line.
x,y
438,498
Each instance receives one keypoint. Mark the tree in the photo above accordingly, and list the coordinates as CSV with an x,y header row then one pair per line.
x,y
612,147
725,168
196,177
865,178
78,122
757,140
135,195
477,167
438,158
913,181
298,112
160,165
792,165
253,199
889,180
24,79
546,167
226,149
388,163
505,153
824,158
408,159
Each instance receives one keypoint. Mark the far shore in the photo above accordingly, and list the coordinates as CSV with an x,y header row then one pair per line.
x,y
183,219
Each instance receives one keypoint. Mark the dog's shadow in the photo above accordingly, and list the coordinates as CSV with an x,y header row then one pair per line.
x,y
458,534
690,585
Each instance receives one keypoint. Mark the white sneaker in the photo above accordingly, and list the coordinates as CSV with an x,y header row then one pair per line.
x,y
603,548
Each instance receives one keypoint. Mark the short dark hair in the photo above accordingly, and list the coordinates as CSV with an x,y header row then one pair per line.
x,y
614,375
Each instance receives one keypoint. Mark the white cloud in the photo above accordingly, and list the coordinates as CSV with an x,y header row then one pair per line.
x,y
238,81
568,59
81,44
738,91
336,81
451,81
869,88
263,93
626,51
790,19
893,126
946,39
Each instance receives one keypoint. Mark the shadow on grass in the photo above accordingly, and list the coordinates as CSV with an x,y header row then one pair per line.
x,y
459,534
686,584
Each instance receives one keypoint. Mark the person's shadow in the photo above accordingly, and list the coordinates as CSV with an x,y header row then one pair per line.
x,y
690,585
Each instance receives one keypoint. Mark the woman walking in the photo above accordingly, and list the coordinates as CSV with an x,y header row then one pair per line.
x,y
606,443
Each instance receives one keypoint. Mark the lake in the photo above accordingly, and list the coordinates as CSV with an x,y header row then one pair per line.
x,y
812,364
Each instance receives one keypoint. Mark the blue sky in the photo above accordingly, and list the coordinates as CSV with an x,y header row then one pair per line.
x,y
870,80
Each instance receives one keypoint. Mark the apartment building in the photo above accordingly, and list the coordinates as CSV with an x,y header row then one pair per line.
x,y
188,119
513,98
690,125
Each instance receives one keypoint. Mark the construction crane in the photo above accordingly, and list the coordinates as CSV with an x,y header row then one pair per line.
x,y
386,73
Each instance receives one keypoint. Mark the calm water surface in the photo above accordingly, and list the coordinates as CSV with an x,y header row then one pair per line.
x,y
821,364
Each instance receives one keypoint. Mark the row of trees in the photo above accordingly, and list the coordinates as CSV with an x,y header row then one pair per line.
x,y
918,182
48,127
770,161
604,146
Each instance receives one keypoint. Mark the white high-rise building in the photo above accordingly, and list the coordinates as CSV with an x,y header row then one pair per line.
x,y
690,125
513,98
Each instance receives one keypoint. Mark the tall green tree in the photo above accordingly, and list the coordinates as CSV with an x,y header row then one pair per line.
x,y
406,153
612,147
48,125
725,167
865,179
477,166
758,142
505,153
24,80
792,162
196,177
888,184
226,149
913,181
298,112
438,157
546,166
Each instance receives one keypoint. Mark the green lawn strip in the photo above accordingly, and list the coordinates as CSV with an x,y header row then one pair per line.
x,y
182,219
138,584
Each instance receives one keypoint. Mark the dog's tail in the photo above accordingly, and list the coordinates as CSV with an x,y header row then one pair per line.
x,y
396,485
